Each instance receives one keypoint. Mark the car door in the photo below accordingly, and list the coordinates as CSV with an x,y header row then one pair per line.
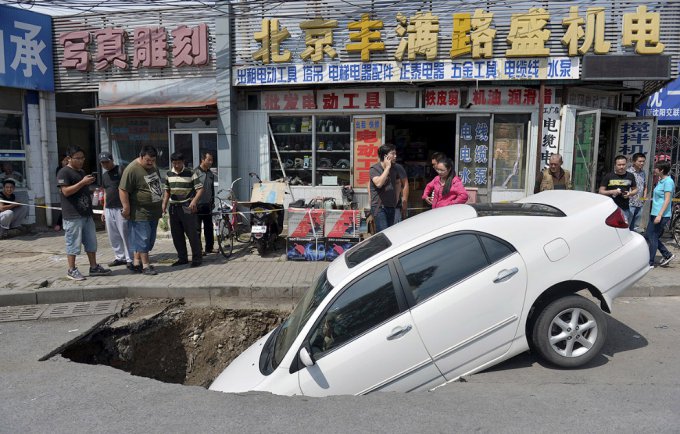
x,y
467,292
365,342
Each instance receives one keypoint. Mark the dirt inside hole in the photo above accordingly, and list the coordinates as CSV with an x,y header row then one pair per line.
x,y
172,342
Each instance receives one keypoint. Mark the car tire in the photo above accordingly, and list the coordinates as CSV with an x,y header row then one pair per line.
x,y
559,335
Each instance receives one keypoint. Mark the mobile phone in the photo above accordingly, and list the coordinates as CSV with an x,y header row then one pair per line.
x,y
94,175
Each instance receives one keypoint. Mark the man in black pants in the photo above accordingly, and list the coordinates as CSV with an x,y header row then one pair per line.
x,y
183,190
207,200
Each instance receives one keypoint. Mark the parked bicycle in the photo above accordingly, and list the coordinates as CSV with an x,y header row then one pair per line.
x,y
229,222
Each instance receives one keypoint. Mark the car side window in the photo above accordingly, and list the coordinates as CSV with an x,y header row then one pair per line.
x,y
364,304
496,250
438,265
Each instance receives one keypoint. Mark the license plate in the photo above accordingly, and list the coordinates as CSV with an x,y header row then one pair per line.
x,y
258,229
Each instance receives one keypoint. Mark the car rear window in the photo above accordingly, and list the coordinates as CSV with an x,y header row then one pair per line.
x,y
523,209
366,249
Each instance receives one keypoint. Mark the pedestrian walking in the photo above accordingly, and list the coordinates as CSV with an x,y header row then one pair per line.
x,y
660,213
112,212
76,208
183,190
206,202
141,196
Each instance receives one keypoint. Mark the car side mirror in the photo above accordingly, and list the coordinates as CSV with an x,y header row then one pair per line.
x,y
305,357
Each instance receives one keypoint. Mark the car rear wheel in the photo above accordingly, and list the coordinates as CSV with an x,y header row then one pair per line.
x,y
570,331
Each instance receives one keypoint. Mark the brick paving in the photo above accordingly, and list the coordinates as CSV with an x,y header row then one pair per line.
x,y
35,263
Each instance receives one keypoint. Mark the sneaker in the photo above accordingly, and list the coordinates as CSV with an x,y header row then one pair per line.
x,y
75,275
98,270
665,261
117,262
149,271
134,268
196,263
179,262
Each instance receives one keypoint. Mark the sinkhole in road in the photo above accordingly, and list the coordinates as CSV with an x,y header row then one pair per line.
x,y
171,342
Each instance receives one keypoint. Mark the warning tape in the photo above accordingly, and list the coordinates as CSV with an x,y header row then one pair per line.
x,y
94,211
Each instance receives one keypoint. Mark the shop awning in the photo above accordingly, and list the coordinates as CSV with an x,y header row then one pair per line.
x,y
170,106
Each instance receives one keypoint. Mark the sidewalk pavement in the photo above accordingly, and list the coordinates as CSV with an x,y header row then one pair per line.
x,y
33,271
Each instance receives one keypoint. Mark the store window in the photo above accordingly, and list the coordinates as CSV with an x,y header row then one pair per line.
x,y
128,135
313,150
509,151
12,153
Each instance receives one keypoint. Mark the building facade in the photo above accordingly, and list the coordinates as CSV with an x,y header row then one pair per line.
x,y
321,85
26,93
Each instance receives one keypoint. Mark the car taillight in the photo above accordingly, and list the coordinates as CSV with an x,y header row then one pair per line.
x,y
617,219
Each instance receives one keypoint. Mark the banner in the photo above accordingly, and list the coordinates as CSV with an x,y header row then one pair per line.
x,y
368,137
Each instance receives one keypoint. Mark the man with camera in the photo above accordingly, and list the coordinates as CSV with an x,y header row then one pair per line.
x,y
76,208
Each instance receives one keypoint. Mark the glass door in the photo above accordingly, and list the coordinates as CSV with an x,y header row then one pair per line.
x,y
586,143
192,144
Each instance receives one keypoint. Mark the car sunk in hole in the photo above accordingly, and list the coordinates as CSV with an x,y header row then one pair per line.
x,y
451,292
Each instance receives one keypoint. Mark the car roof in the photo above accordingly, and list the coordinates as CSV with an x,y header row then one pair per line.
x,y
405,232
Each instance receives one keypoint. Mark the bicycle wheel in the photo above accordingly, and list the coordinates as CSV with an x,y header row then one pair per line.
x,y
675,230
225,238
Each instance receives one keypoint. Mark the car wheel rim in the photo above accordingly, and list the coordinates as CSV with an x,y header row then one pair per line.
x,y
573,332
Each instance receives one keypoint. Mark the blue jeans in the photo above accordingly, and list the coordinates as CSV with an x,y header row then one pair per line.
x,y
635,217
627,214
80,231
384,217
142,235
654,231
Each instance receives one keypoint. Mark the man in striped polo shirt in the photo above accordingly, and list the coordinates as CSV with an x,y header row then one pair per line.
x,y
183,189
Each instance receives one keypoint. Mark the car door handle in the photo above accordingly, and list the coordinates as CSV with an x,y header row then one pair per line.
x,y
504,275
399,331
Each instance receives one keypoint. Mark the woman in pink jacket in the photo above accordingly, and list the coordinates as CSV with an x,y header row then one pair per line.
x,y
448,188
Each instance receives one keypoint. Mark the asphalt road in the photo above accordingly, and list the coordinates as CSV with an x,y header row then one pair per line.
x,y
633,387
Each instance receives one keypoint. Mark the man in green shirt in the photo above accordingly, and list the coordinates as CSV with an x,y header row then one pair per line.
x,y
183,190
141,196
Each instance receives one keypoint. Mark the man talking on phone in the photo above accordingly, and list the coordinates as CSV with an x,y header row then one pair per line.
x,y
384,188
76,208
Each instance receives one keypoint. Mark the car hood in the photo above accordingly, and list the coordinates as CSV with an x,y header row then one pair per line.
x,y
243,373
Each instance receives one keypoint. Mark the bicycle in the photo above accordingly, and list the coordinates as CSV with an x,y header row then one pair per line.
x,y
227,221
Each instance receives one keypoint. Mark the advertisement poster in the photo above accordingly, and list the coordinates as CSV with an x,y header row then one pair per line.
x,y
368,137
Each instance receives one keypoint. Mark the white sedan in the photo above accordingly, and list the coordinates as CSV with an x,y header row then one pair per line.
x,y
451,292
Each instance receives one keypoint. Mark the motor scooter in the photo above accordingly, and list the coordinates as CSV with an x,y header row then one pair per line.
x,y
266,213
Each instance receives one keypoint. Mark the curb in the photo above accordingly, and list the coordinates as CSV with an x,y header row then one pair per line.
x,y
253,296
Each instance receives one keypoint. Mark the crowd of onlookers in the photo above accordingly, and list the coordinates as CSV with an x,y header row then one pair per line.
x,y
135,199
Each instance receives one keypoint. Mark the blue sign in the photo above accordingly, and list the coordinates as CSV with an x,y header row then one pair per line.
x,y
25,49
664,104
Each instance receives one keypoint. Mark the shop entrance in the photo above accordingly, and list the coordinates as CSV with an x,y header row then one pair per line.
x,y
416,138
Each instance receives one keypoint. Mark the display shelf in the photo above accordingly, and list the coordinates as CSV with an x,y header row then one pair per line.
x,y
306,133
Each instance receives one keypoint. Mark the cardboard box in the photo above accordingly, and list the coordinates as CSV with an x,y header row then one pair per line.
x,y
305,249
342,223
305,222
337,246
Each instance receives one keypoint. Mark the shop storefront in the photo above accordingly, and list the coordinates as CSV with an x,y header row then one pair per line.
x,y
26,79
153,74
497,90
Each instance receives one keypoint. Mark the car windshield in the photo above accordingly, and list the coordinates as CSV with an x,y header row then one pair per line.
x,y
291,327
